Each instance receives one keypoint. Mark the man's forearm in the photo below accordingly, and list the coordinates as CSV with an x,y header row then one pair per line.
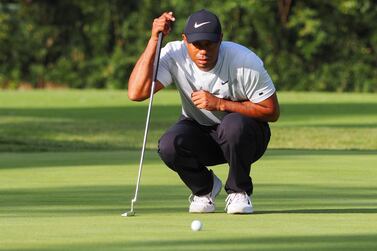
x,y
266,110
262,111
140,80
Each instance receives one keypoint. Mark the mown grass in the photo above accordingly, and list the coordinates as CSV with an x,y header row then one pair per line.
x,y
69,159
107,120
304,200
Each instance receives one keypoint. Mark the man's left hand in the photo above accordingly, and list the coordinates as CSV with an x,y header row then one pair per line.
x,y
205,100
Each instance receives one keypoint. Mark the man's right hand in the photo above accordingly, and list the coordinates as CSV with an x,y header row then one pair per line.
x,y
162,24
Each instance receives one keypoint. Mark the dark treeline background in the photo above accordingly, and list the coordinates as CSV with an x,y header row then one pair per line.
x,y
319,45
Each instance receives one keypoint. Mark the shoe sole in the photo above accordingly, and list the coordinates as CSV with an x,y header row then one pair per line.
x,y
202,212
243,211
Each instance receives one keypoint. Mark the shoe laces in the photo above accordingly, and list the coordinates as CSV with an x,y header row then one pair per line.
x,y
237,197
201,199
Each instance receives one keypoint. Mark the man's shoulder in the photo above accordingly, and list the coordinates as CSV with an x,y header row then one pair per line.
x,y
174,46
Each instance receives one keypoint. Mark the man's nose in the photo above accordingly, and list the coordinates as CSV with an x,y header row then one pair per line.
x,y
203,51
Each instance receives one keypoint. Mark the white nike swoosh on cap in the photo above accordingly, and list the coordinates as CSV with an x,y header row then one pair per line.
x,y
196,25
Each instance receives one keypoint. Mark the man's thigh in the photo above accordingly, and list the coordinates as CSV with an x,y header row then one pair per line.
x,y
189,138
236,129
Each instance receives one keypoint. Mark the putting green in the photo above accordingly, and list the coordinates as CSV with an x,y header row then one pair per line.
x,y
304,200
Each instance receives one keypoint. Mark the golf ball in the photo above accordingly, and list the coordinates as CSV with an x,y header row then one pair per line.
x,y
196,225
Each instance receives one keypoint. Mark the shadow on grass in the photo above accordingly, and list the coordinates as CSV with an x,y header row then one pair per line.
x,y
72,159
110,113
312,152
132,157
128,121
164,199
89,200
292,243
94,128
340,126
163,112
327,109
321,211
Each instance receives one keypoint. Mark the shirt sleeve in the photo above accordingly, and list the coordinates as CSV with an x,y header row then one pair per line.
x,y
164,74
257,82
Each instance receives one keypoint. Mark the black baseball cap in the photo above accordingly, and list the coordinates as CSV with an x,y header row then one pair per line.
x,y
203,25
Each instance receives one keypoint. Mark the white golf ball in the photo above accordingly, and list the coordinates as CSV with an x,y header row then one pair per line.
x,y
196,225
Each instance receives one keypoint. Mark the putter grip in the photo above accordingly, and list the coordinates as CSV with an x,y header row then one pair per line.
x,y
157,56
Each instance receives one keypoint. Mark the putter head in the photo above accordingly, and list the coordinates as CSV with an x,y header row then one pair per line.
x,y
127,214
131,212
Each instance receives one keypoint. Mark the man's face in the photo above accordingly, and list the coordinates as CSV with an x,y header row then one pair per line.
x,y
204,53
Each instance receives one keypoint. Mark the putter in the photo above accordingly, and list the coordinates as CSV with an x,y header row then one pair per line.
x,y
155,69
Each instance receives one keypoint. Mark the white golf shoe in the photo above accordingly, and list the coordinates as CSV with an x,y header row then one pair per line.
x,y
238,203
205,203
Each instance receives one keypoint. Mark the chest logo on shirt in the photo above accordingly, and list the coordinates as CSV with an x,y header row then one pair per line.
x,y
225,82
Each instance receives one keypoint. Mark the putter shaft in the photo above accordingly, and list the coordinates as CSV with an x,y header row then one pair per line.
x,y
154,79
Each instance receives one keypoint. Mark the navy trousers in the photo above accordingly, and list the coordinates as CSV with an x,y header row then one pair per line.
x,y
189,148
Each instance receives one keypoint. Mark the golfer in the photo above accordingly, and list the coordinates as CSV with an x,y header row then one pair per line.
x,y
227,98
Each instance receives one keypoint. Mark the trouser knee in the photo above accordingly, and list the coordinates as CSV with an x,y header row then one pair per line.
x,y
244,135
173,149
235,128
166,149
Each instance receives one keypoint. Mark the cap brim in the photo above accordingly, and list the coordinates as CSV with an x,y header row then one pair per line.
x,y
191,38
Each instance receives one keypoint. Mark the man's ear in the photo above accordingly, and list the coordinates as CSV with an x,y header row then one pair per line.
x,y
184,39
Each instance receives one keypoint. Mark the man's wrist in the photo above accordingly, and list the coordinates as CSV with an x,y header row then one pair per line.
x,y
221,105
153,39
